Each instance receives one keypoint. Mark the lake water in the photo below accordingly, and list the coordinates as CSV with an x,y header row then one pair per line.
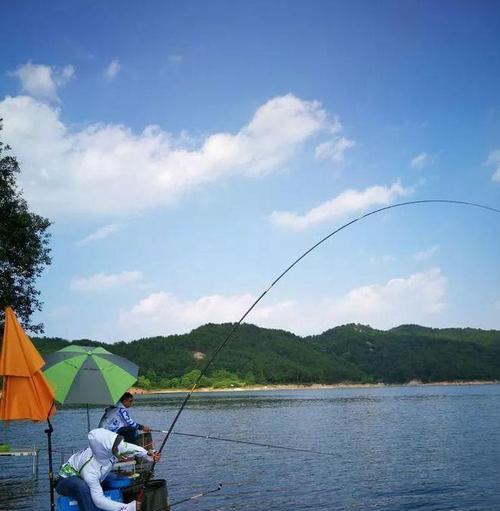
x,y
424,448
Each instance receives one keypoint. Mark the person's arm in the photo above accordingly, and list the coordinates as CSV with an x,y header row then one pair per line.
x,y
128,420
126,449
91,477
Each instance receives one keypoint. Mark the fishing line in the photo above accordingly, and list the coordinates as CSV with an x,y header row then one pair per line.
x,y
247,442
321,241
197,496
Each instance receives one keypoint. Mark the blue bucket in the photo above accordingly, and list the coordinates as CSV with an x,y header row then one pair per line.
x,y
70,503
116,481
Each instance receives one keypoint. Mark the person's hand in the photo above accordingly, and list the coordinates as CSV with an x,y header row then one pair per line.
x,y
155,455
146,429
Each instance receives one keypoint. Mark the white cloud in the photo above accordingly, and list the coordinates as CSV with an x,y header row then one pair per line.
x,y
415,299
102,233
334,150
494,161
105,281
65,75
112,70
425,255
105,169
165,313
398,300
348,202
419,161
42,81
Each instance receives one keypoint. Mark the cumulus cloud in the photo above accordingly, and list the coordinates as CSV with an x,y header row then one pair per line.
x,y
420,294
494,161
107,168
419,161
334,150
348,202
105,281
43,81
414,299
112,70
167,313
425,255
102,233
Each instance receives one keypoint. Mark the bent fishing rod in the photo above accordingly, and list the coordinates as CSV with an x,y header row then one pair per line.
x,y
247,442
294,263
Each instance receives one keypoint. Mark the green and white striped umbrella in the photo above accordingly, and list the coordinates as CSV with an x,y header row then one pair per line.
x,y
86,375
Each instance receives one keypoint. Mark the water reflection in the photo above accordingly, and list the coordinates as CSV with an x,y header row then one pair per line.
x,y
246,400
17,492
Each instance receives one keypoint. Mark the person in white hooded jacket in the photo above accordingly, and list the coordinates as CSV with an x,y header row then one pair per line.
x,y
81,476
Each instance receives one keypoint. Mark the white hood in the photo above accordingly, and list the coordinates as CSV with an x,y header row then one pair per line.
x,y
101,444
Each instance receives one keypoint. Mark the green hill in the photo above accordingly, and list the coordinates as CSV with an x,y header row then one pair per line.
x,y
349,353
412,352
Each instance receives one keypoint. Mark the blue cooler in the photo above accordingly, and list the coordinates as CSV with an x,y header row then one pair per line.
x,y
70,504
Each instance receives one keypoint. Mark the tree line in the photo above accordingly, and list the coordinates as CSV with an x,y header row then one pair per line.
x,y
350,353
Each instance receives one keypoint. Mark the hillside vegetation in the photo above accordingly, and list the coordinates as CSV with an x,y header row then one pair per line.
x,y
349,353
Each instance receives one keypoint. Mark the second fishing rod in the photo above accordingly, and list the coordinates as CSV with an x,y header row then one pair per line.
x,y
294,263
246,442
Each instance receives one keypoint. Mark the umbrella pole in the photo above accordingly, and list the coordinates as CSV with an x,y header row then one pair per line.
x,y
88,419
49,431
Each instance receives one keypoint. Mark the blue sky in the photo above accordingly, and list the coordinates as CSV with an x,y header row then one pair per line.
x,y
188,152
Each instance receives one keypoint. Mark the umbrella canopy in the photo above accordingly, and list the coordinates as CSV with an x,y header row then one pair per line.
x,y
86,375
26,393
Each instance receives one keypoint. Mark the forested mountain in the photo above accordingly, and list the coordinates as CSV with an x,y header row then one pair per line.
x,y
349,353
411,352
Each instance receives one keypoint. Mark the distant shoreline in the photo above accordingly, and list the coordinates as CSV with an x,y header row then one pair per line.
x,y
314,386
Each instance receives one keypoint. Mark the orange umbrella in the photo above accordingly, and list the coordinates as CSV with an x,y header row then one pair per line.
x,y
26,393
